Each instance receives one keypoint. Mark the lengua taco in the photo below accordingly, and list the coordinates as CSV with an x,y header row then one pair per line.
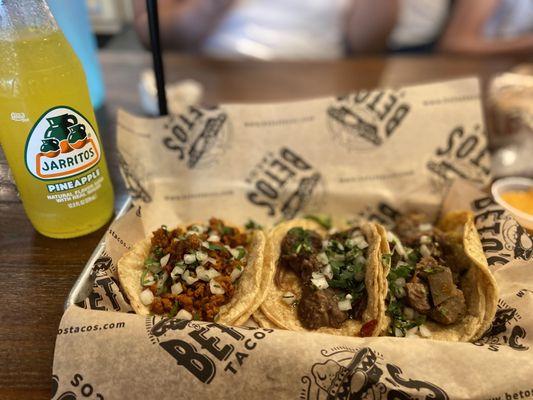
x,y
437,284
208,272
322,281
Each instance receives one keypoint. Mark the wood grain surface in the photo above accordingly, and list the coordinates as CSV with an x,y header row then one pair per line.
x,y
37,272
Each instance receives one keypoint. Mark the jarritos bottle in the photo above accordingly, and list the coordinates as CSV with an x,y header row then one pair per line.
x,y
48,130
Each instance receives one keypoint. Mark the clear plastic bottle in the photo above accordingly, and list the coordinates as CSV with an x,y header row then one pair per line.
x,y
48,130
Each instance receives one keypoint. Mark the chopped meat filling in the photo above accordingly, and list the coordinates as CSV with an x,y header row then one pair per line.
x,y
194,269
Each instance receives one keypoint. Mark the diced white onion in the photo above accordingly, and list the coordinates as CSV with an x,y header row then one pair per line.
x,y
425,239
349,296
345,305
215,287
400,282
147,297
424,331
189,258
360,242
398,246
176,288
206,274
398,332
211,260
178,270
323,258
198,228
325,244
340,246
332,231
234,253
164,260
409,313
400,292
289,298
235,274
424,251
205,244
425,227
213,238
188,278
412,333
184,314
201,256
320,282
327,272
161,281
149,279
360,259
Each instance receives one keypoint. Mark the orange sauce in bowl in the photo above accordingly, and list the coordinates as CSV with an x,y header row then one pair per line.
x,y
520,199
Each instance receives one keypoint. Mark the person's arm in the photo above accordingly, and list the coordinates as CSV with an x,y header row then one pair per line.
x,y
183,24
464,33
368,24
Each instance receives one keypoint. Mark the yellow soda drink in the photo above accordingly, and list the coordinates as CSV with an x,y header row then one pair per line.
x,y
48,130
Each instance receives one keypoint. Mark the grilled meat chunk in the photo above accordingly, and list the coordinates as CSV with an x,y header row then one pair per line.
x,y
418,296
450,310
320,308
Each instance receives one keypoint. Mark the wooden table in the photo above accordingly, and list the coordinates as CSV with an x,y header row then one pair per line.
x,y
37,272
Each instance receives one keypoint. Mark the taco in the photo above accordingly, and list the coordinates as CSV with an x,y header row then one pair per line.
x,y
208,272
437,284
322,281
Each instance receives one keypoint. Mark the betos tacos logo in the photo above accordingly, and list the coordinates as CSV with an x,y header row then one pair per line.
x,y
463,156
285,184
365,120
503,239
198,137
62,143
203,348
363,374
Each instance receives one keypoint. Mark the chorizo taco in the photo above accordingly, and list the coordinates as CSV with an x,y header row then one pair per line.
x,y
208,272
322,281
437,284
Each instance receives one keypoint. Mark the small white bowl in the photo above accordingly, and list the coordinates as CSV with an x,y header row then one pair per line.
x,y
509,184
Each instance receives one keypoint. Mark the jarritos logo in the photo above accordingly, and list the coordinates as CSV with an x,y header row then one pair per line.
x,y
62,143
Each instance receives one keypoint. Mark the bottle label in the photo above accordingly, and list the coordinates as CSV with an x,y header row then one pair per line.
x,y
62,143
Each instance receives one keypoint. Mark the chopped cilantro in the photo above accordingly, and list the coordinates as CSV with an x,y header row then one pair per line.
x,y
174,310
386,259
213,246
242,253
251,224
158,252
321,219
303,242
143,278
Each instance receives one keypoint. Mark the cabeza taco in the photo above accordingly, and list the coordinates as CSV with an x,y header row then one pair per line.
x,y
437,284
320,281
208,272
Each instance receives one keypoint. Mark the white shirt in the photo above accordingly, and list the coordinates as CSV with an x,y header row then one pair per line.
x,y
280,29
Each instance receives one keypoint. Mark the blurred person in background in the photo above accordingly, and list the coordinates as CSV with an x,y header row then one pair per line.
x,y
321,29
272,29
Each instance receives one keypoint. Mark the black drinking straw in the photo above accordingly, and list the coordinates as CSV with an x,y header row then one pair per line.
x,y
153,24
